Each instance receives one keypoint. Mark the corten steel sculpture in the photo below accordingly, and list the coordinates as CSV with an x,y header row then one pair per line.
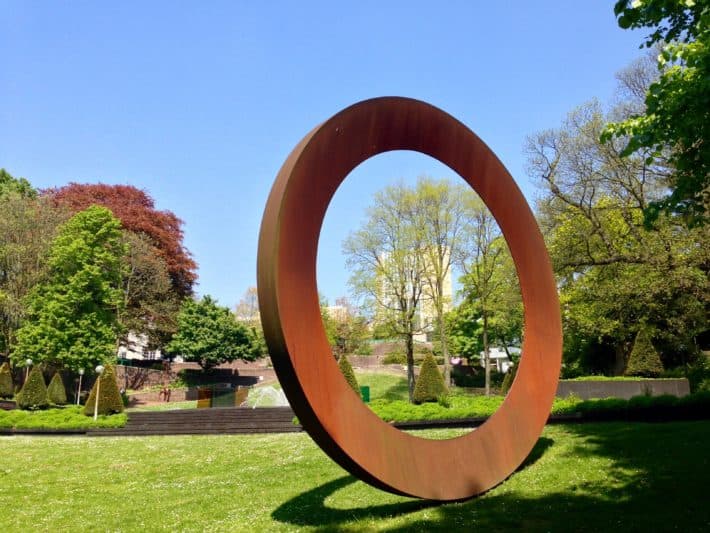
x,y
331,412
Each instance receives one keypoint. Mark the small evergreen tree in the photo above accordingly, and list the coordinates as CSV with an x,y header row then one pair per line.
x,y
644,359
349,374
430,383
7,390
56,392
110,400
508,379
34,392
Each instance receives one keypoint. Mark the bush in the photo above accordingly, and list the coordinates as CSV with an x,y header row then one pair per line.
x,y
508,379
430,383
34,392
348,373
56,392
7,390
395,358
644,360
109,396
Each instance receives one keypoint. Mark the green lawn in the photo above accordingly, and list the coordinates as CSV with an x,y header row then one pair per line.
x,y
586,477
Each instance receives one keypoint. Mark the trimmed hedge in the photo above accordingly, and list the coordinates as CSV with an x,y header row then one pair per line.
x,y
644,359
430,383
56,392
7,389
348,373
110,400
34,392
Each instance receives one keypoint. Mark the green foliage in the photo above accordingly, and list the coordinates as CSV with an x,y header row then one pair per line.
x,y
34,392
210,335
676,119
644,359
72,316
430,383
395,358
12,185
110,400
347,370
56,392
508,379
68,417
7,388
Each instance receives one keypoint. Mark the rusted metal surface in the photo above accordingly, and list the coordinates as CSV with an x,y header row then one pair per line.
x,y
326,406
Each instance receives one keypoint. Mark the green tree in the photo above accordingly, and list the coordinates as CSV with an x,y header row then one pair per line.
x,y
676,118
33,394
110,400
27,227
210,335
644,360
430,383
56,392
7,388
72,316
347,370
12,185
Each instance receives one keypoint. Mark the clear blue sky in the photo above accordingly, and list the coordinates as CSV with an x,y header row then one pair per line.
x,y
199,103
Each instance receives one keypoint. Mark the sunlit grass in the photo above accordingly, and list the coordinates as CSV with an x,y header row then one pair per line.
x,y
592,477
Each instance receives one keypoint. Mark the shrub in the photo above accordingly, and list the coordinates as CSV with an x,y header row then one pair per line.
x,y
508,379
395,358
109,396
56,392
34,392
348,373
7,390
430,383
644,360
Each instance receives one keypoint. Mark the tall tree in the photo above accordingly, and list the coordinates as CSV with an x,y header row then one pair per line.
x,y
676,118
10,184
73,316
388,266
27,227
136,211
210,335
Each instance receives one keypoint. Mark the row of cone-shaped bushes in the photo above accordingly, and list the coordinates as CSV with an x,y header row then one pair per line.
x,y
36,395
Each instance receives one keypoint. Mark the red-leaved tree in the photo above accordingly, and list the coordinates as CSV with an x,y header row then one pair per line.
x,y
136,210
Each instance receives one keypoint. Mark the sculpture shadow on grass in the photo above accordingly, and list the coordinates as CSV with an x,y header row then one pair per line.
x,y
310,509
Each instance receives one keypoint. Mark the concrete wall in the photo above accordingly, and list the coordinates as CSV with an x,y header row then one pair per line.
x,y
623,389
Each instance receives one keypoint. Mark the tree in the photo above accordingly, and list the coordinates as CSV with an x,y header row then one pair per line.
x,y
56,393
210,335
33,394
27,227
110,401
7,388
347,370
136,211
676,118
388,267
644,360
614,272
247,312
72,320
19,186
440,215
345,329
430,383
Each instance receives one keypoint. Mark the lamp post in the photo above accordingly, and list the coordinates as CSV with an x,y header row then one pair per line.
x,y
78,393
99,371
28,364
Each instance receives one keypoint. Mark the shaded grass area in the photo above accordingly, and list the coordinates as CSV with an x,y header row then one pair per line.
x,y
68,417
592,477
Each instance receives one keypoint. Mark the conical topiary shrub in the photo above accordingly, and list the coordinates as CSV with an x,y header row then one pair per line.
x,y
7,389
56,392
644,359
349,374
109,396
430,383
34,392
508,379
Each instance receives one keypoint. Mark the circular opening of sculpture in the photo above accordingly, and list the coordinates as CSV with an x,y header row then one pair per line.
x,y
326,406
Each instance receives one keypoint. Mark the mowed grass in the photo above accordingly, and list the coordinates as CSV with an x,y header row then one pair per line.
x,y
586,477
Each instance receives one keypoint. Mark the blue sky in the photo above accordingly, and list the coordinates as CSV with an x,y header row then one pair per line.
x,y
200,103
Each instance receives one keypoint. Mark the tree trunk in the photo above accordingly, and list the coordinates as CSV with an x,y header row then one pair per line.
x,y
486,353
619,360
410,366
445,351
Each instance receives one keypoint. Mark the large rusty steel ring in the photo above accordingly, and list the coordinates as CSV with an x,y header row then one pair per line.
x,y
335,417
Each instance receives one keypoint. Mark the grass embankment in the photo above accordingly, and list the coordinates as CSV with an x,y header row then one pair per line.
x,y
591,477
69,417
